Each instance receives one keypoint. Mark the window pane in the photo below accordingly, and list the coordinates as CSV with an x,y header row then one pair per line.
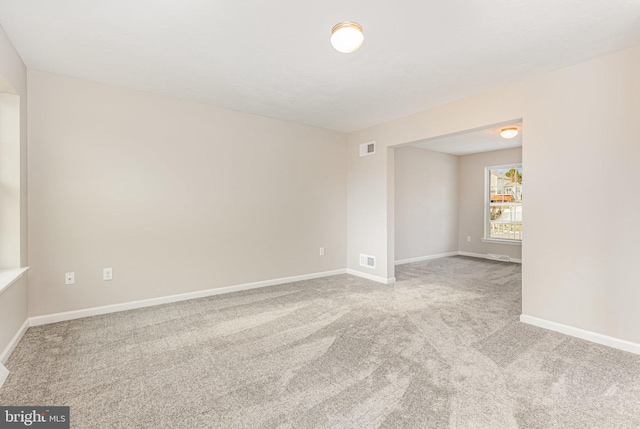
x,y
505,202
505,185
506,222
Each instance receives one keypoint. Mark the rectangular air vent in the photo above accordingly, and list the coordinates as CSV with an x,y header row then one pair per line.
x,y
497,257
367,148
367,261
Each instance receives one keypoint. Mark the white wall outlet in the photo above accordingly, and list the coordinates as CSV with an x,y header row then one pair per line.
x,y
107,274
69,278
322,251
469,238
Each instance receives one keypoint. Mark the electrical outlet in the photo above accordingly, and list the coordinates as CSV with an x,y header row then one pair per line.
x,y
69,278
469,238
322,251
107,274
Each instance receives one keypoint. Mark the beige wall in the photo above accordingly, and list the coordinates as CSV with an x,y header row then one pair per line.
x,y
439,201
472,202
426,203
173,195
10,198
13,187
581,135
368,213
13,80
13,311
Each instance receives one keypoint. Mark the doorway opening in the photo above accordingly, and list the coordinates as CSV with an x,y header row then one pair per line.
x,y
460,194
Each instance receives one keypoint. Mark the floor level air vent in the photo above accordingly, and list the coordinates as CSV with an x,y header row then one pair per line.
x,y
367,261
496,257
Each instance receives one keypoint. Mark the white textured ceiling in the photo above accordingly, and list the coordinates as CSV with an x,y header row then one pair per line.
x,y
476,141
273,57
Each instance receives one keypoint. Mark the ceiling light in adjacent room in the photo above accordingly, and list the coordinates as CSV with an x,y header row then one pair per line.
x,y
347,37
509,133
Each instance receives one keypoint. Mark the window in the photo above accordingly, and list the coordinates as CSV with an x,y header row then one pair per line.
x,y
504,203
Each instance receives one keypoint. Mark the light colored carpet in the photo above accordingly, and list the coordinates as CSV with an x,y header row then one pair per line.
x,y
443,348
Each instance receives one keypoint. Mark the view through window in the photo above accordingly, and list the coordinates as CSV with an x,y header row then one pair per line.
x,y
504,202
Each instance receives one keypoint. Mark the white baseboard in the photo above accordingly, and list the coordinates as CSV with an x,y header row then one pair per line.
x,y
95,311
473,255
14,342
445,255
4,373
484,256
378,279
594,337
425,258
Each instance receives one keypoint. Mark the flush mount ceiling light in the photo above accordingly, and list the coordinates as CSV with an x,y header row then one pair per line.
x,y
347,37
509,133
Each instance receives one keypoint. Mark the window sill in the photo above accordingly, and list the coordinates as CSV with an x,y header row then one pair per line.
x,y
9,277
500,241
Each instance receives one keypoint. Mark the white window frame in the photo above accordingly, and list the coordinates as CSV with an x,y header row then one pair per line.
x,y
487,206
